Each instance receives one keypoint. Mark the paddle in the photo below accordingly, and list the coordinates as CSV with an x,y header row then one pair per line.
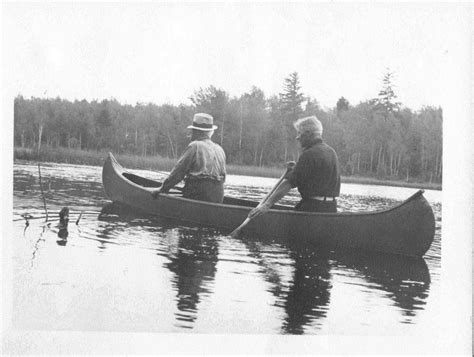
x,y
179,189
235,233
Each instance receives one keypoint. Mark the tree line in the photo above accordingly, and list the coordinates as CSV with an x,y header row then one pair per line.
x,y
378,137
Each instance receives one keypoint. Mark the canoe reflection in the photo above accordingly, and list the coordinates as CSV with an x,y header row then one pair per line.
x,y
305,298
300,279
406,280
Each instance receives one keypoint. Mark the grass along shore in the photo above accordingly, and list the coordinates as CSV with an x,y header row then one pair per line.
x,y
157,163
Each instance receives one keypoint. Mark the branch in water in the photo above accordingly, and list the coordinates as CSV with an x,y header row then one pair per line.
x,y
46,226
56,219
77,222
42,193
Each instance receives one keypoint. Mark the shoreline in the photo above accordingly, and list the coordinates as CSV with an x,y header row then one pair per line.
x,y
96,158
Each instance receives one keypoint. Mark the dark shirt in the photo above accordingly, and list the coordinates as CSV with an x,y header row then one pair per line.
x,y
317,172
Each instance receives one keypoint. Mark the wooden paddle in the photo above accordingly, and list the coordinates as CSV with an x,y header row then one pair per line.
x,y
235,233
177,188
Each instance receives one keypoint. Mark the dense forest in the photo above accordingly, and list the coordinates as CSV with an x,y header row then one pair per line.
x,y
378,137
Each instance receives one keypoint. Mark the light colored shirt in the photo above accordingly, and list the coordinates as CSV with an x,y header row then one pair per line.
x,y
201,159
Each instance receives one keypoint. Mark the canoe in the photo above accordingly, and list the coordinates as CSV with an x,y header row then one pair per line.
x,y
405,229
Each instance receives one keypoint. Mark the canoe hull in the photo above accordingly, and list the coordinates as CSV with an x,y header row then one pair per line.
x,y
407,229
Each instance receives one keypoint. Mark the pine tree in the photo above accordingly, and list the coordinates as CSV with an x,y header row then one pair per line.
x,y
342,105
291,106
387,96
291,99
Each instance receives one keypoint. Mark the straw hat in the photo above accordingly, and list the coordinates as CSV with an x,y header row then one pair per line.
x,y
203,122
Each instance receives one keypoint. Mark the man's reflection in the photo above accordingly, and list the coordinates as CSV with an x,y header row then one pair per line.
x,y
194,264
305,298
308,296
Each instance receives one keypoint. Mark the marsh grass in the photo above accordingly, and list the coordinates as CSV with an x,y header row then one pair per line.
x,y
158,163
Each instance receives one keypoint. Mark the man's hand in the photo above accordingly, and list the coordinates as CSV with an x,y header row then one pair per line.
x,y
259,210
155,194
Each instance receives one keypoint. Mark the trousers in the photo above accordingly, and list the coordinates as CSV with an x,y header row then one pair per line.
x,y
311,205
204,189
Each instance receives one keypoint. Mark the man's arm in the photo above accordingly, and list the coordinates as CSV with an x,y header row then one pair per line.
x,y
179,171
279,192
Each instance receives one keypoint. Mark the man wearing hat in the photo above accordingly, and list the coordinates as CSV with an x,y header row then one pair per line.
x,y
316,174
202,165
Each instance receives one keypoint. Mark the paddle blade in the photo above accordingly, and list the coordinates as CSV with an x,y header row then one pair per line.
x,y
236,232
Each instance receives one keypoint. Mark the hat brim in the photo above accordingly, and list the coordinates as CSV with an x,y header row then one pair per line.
x,y
214,127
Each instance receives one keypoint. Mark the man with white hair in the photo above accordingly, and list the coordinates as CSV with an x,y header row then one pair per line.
x,y
202,165
316,174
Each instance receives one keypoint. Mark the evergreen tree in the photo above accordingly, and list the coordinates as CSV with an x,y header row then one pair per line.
x,y
387,97
291,106
292,98
312,106
342,105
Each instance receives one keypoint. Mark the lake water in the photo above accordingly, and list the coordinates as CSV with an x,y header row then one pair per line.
x,y
118,270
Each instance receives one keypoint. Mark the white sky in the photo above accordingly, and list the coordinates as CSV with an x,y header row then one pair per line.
x,y
163,52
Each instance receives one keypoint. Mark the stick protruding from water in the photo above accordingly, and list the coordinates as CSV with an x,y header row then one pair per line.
x,y
42,192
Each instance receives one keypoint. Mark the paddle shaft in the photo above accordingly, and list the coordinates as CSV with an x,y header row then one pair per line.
x,y
274,187
179,189
236,231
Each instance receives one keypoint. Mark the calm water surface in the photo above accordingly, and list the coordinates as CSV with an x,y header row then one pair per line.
x,y
118,270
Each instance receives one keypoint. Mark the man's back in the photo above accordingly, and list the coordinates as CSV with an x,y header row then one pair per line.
x,y
317,172
209,160
202,164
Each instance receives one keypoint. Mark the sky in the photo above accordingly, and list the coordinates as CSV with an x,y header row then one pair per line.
x,y
163,52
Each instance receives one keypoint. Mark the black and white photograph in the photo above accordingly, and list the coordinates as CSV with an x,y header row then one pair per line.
x,y
236,178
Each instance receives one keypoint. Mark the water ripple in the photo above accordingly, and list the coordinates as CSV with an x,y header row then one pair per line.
x,y
195,278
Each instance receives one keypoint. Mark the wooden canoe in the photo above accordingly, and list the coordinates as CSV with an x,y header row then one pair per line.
x,y
406,229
